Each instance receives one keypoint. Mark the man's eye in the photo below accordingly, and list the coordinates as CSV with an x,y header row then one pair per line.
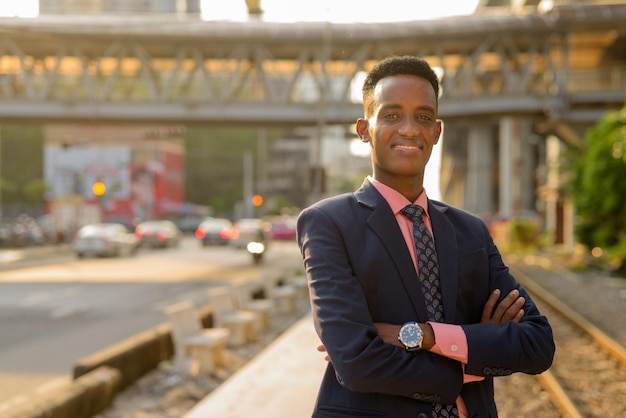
x,y
390,116
424,118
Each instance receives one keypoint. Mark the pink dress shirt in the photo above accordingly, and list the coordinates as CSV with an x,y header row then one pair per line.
x,y
450,339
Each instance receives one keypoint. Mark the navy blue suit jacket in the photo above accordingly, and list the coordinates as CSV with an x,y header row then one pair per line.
x,y
360,272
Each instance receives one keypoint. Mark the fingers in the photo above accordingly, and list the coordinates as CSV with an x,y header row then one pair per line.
x,y
508,309
519,316
513,304
322,349
490,306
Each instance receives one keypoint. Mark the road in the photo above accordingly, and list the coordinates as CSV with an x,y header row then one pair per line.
x,y
56,309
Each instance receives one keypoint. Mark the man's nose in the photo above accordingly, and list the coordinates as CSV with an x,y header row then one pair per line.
x,y
409,127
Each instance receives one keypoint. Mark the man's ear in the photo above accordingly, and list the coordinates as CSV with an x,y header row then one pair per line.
x,y
362,129
439,130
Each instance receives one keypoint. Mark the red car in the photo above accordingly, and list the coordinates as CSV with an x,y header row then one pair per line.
x,y
283,230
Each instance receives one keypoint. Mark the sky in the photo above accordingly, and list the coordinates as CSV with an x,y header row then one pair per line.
x,y
293,11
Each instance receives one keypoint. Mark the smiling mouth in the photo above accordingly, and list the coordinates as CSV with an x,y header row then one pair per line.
x,y
408,147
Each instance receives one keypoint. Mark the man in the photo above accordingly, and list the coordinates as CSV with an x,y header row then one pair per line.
x,y
392,350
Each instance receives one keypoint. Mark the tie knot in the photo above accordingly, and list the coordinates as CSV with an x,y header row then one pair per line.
x,y
413,212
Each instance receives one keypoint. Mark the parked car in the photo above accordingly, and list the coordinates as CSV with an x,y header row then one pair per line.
x,y
158,233
21,231
48,228
104,240
189,224
283,229
215,231
246,230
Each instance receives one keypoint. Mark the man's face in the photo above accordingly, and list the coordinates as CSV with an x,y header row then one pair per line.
x,y
402,128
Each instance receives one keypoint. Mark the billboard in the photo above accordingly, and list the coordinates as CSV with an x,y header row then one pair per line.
x,y
141,169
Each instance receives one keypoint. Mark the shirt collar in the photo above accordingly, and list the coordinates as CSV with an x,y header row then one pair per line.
x,y
395,199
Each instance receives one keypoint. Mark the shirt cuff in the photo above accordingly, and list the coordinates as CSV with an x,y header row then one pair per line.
x,y
450,341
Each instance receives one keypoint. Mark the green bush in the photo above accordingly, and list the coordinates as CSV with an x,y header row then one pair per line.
x,y
598,188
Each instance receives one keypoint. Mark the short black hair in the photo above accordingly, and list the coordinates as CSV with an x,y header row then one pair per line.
x,y
397,65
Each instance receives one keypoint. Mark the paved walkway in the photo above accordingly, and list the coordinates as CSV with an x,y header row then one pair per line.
x,y
281,382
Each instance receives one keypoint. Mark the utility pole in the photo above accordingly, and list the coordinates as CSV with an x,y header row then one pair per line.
x,y
317,180
262,162
247,183
1,172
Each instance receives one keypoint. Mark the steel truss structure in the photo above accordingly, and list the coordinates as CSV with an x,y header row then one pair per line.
x,y
567,64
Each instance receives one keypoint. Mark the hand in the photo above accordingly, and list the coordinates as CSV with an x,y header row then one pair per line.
x,y
509,309
322,349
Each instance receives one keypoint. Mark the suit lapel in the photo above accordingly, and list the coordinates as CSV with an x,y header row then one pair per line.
x,y
447,254
383,223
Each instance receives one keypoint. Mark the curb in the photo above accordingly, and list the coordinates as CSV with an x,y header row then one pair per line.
x,y
85,397
99,377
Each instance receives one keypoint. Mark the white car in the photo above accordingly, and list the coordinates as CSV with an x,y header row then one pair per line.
x,y
104,240
158,234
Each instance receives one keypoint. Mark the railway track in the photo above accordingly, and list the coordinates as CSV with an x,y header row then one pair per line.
x,y
588,376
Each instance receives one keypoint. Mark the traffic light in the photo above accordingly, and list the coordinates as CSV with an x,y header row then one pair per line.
x,y
98,188
257,200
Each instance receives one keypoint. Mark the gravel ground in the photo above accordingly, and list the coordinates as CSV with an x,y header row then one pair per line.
x,y
596,295
164,393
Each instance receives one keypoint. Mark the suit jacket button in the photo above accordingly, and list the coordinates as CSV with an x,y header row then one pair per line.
x,y
422,415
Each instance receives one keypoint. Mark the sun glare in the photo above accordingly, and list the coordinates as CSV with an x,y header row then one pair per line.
x,y
22,8
339,11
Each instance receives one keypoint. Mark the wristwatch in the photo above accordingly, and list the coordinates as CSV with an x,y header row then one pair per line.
x,y
411,336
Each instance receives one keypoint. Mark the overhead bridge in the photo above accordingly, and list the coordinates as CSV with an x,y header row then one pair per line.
x,y
567,65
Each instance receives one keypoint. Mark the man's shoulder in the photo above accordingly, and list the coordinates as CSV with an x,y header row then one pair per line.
x,y
331,202
454,212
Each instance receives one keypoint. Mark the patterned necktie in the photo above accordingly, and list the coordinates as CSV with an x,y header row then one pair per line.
x,y
428,270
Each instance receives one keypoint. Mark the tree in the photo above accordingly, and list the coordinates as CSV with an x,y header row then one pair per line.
x,y
599,186
214,165
21,180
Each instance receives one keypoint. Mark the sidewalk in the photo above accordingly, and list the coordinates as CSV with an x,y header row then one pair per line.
x,y
281,382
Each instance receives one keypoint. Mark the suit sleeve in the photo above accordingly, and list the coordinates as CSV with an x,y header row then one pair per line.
x,y
333,252
502,349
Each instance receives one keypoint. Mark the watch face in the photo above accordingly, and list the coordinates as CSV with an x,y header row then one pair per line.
x,y
410,335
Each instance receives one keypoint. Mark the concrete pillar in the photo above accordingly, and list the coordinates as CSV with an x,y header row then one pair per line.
x,y
517,186
527,164
507,167
553,151
478,186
